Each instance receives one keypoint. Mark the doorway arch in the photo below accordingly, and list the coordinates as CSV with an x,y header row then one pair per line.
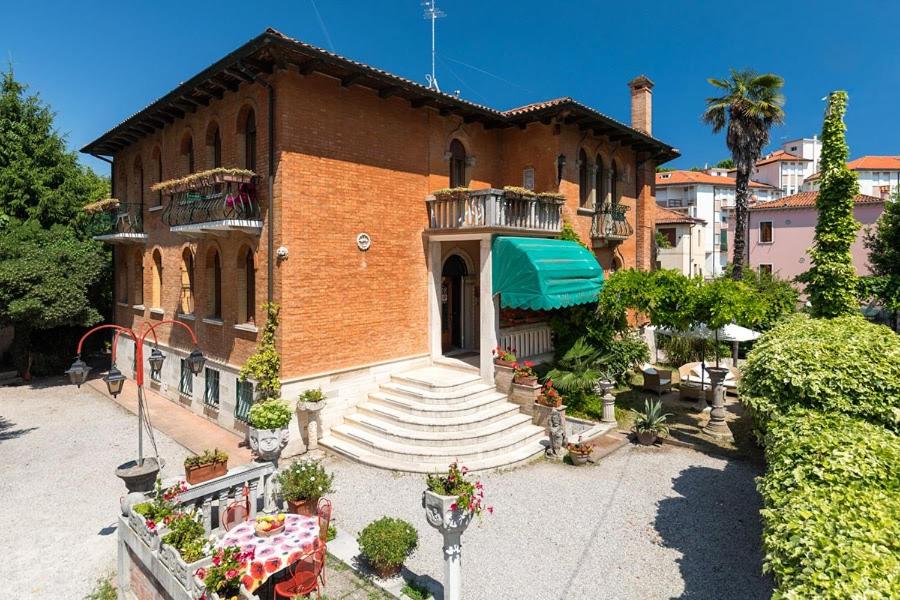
x,y
453,274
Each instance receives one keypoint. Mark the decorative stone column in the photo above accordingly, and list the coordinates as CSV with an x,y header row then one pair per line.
x,y
717,427
603,388
267,445
451,523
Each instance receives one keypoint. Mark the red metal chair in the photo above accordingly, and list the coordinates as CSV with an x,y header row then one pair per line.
x,y
305,574
323,509
237,512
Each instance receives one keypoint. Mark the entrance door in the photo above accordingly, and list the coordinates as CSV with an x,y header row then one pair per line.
x,y
451,303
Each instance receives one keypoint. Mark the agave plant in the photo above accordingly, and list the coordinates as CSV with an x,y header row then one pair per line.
x,y
652,419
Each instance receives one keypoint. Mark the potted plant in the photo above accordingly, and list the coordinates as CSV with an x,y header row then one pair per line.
x,y
579,451
505,357
523,373
223,578
386,544
302,484
206,466
650,424
549,396
268,432
311,400
184,547
451,500
149,519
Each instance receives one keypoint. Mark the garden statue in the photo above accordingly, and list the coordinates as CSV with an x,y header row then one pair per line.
x,y
268,443
557,433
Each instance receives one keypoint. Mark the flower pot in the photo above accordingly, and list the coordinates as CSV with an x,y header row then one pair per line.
x,y
504,363
578,459
312,407
267,444
441,516
525,380
307,507
199,474
647,438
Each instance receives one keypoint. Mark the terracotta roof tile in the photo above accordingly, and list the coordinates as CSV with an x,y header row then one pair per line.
x,y
874,162
665,215
807,199
694,177
780,155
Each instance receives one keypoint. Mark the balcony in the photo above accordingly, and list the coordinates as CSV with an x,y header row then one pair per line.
x,y
610,226
495,210
212,203
116,222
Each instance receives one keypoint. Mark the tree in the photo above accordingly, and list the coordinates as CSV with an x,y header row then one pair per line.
x,y
52,275
831,282
750,106
777,297
883,244
725,164
264,365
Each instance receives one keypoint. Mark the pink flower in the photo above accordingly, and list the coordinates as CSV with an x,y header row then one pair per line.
x,y
490,510
231,573
151,525
201,573
453,506
217,560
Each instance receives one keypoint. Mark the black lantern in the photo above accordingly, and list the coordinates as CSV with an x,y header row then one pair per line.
x,y
114,381
78,372
156,360
196,361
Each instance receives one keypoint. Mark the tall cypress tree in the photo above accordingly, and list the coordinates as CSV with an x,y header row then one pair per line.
x,y
831,281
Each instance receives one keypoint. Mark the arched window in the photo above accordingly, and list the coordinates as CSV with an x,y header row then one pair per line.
x,y
157,159
156,273
614,183
246,287
214,284
584,179
457,164
187,282
214,145
187,150
599,186
250,141
138,281
138,183
122,270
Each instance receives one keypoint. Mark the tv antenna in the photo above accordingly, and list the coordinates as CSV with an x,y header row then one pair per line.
x,y
433,13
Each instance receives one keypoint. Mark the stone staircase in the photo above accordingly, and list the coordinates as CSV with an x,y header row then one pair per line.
x,y
422,420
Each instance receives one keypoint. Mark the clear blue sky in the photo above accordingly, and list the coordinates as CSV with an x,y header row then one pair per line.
x,y
98,62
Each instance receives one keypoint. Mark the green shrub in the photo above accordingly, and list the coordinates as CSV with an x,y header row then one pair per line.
x,y
313,395
271,414
845,365
388,542
832,507
186,533
305,480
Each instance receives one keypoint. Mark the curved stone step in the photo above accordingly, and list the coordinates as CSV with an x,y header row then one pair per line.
x,y
489,414
466,407
390,430
464,451
360,454
437,396
436,379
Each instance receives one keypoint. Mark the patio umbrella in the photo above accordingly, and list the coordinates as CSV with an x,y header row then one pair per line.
x,y
732,332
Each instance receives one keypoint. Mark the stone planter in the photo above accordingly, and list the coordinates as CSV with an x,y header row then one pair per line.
x,y
525,379
540,415
504,363
578,459
646,438
139,476
267,444
150,537
503,377
525,396
307,414
307,507
170,557
199,474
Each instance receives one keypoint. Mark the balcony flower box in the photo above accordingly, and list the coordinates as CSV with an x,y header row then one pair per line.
x,y
209,465
171,558
204,179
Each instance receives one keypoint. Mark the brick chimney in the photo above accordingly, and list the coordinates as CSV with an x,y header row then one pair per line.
x,y
642,104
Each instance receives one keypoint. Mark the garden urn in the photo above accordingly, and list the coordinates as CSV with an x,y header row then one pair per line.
x,y
442,513
717,427
267,444
309,412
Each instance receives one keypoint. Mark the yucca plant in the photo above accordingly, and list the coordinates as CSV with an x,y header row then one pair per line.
x,y
652,420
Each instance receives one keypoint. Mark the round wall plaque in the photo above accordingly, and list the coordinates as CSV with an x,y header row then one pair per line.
x,y
363,241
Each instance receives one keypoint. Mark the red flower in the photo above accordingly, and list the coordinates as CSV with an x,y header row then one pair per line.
x,y
201,573
231,574
217,559
490,510
273,564
257,570
453,506
151,525
248,582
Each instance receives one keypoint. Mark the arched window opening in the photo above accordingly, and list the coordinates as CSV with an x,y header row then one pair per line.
x,y
157,157
216,149
187,150
138,281
246,287
187,282
250,141
614,183
214,285
584,180
457,164
599,187
156,291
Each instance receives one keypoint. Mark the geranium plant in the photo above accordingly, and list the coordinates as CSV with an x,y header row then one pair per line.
x,y
187,535
579,447
224,575
209,457
504,354
469,494
161,508
271,414
550,396
524,370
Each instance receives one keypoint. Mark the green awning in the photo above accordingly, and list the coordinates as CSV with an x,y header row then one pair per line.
x,y
542,274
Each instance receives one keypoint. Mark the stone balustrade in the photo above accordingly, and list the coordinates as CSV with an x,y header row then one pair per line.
x,y
494,209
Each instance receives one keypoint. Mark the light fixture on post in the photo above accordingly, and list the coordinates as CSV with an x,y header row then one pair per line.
x,y
156,360
196,361
114,381
78,372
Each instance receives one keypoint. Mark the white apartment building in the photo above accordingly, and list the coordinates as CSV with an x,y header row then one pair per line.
x,y
682,248
709,198
788,167
878,176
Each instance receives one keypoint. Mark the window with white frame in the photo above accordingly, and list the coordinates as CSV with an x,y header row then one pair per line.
x,y
765,232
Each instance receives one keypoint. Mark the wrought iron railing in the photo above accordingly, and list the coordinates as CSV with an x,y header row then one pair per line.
x,y
493,208
121,218
212,201
610,224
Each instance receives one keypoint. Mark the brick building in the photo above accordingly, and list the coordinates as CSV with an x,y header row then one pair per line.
x,y
374,273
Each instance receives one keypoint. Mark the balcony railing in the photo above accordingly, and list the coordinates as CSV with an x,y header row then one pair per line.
x,y
495,209
610,226
117,222
219,202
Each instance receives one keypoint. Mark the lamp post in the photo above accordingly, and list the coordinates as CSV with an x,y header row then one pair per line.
x,y
139,475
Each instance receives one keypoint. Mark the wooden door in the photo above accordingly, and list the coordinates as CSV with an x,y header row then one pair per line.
x,y
446,313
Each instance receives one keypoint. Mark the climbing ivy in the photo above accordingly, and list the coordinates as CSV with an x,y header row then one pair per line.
x,y
831,282
264,365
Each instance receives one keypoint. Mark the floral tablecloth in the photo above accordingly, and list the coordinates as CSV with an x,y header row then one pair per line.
x,y
274,553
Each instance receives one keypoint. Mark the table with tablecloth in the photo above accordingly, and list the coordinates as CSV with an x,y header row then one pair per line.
x,y
272,553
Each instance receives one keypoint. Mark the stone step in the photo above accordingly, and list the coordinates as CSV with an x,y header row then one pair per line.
x,y
467,406
437,379
12,382
493,412
449,362
360,454
389,429
437,397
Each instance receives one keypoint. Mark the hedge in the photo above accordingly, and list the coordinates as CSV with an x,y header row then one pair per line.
x,y
832,507
844,365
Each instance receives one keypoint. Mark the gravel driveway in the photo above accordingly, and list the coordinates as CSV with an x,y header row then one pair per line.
x,y
59,448
644,523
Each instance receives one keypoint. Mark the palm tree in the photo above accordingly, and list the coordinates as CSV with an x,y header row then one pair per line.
x,y
751,105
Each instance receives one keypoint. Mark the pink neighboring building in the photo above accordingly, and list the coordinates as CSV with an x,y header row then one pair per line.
x,y
781,233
